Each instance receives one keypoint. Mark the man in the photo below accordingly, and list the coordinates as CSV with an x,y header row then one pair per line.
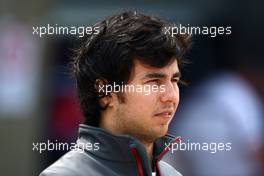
x,y
125,121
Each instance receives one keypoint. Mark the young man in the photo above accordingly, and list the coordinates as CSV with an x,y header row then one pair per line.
x,y
127,81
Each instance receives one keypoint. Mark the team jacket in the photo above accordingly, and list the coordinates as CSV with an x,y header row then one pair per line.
x,y
99,153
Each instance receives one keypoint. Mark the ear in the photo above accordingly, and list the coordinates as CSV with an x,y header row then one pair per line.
x,y
105,98
106,101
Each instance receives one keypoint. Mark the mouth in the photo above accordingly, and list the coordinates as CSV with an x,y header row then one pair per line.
x,y
165,114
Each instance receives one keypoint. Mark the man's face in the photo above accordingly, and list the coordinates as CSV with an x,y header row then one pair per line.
x,y
146,115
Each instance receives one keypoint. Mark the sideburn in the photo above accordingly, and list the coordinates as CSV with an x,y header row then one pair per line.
x,y
121,97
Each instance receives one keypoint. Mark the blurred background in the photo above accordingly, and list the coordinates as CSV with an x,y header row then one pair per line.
x,y
223,101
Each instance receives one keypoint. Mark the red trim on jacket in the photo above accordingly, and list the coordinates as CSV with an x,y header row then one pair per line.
x,y
138,161
156,169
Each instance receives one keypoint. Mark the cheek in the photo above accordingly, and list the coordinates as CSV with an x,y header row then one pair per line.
x,y
141,104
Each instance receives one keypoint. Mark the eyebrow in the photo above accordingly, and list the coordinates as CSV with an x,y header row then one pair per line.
x,y
161,75
177,75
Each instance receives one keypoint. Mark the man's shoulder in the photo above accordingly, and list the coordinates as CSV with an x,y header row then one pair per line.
x,y
68,165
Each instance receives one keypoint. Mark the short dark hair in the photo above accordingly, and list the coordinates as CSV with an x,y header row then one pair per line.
x,y
110,54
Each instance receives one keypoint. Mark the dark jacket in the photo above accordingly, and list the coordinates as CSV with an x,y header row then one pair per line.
x,y
100,153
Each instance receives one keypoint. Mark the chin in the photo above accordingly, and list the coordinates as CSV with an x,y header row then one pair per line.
x,y
162,131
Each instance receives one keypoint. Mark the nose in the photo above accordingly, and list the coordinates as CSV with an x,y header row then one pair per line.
x,y
170,94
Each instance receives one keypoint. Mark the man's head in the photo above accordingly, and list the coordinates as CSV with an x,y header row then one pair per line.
x,y
130,49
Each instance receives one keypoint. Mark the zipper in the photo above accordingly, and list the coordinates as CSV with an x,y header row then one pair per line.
x,y
139,164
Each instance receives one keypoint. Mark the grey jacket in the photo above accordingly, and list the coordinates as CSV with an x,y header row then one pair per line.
x,y
99,153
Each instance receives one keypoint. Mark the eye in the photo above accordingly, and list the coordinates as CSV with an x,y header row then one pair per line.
x,y
176,80
153,81
179,82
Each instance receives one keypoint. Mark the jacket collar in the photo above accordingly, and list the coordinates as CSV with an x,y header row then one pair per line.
x,y
118,147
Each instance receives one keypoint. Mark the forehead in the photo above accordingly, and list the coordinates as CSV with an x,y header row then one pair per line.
x,y
141,69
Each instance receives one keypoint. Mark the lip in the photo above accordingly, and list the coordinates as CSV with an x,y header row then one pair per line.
x,y
165,114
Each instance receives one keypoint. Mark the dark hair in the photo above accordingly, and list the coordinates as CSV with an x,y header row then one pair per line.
x,y
110,54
